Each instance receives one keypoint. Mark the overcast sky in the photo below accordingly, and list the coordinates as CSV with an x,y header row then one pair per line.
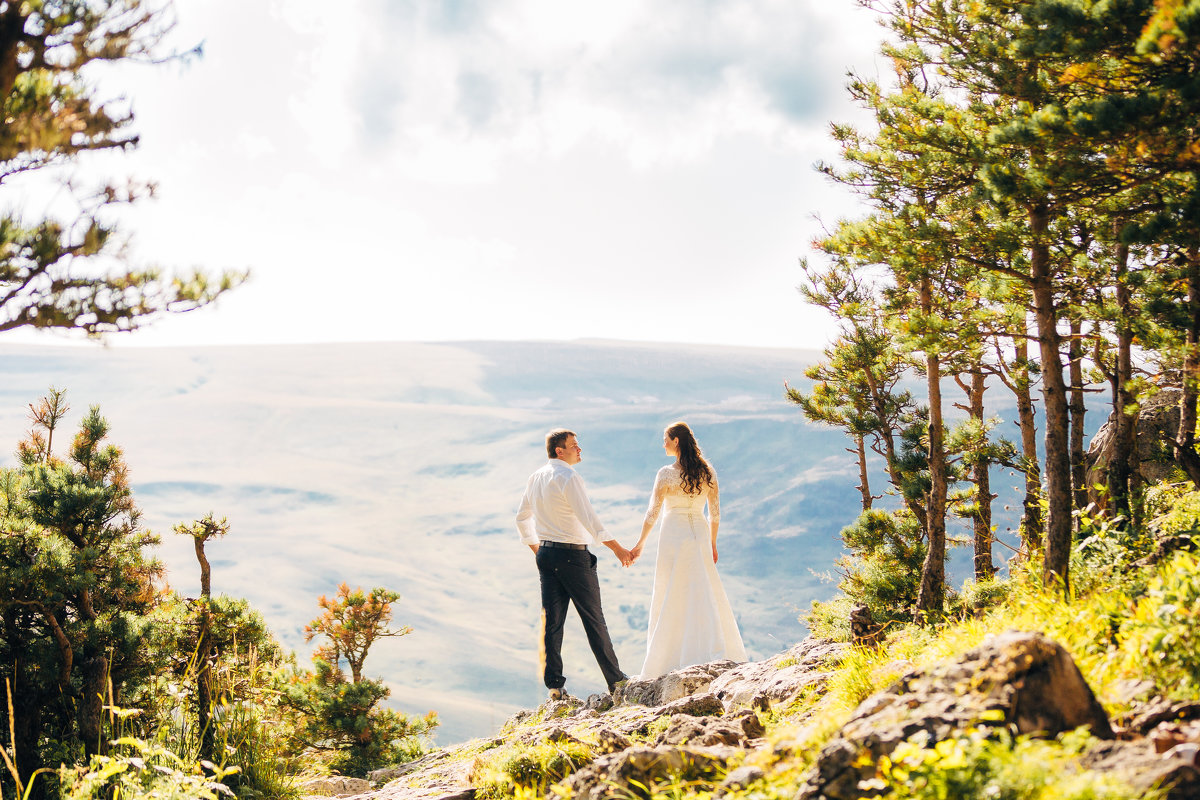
x,y
432,170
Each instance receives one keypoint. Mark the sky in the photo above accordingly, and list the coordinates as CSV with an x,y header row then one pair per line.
x,y
435,170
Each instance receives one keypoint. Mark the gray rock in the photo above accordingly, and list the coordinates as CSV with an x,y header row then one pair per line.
x,y
335,786
674,685
559,735
700,705
1149,716
735,731
1153,459
781,677
599,703
1022,680
612,742
1137,764
741,778
438,776
622,774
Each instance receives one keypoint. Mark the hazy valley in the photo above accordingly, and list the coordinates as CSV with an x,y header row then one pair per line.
x,y
401,465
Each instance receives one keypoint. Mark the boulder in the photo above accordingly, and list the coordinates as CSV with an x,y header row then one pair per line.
x,y
673,686
334,786
1136,763
735,730
1153,459
611,741
441,775
1018,679
624,774
781,677
740,779
1145,717
699,705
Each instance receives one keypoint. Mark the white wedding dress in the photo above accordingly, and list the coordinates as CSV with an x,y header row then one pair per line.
x,y
690,618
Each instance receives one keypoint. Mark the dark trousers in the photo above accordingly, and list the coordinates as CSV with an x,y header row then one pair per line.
x,y
570,576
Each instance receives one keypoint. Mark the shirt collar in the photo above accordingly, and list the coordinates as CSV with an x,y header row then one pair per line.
x,y
558,462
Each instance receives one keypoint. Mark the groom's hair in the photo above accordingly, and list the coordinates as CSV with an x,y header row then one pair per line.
x,y
555,439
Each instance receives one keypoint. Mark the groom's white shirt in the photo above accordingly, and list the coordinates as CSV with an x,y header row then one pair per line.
x,y
556,508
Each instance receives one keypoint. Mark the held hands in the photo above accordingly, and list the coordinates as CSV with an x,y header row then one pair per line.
x,y
627,558
636,551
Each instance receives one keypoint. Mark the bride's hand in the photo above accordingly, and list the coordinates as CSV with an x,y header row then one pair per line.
x,y
714,553
636,552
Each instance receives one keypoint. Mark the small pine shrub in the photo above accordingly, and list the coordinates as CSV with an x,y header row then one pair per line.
x,y
978,597
830,619
882,572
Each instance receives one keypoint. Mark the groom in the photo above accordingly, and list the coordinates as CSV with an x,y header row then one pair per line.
x,y
556,520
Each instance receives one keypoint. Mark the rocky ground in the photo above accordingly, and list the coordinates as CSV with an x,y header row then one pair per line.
x,y
706,727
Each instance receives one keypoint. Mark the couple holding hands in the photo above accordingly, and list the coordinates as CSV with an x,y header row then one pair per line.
x,y
690,618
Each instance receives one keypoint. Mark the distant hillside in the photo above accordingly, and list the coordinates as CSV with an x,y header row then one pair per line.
x,y
401,465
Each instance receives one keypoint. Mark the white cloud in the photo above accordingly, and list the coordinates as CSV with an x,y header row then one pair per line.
x,y
450,169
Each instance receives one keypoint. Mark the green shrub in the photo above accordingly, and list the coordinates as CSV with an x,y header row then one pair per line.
x,y
342,724
978,597
1162,635
990,764
830,619
1174,511
528,770
882,571
142,771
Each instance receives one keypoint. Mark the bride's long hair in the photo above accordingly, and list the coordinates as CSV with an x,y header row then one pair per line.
x,y
697,472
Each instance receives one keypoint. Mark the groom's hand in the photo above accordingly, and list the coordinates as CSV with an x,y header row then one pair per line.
x,y
621,553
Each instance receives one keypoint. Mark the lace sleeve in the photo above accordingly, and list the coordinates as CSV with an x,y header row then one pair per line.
x,y
714,501
657,495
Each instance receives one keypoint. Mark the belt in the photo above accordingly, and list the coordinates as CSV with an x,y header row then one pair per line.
x,y
564,545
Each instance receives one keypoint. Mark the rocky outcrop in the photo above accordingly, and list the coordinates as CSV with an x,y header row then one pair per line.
x,y
1141,766
1153,458
616,775
1023,680
804,667
334,786
674,685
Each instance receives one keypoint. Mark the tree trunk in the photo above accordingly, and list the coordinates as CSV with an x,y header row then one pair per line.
x,y
864,484
204,685
205,569
1185,439
931,596
64,648
1056,569
1031,518
1120,468
91,705
26,711
12,29
982,521
204,698
1079,491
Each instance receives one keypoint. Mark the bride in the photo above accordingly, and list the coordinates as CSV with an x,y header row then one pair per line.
x,y
690,618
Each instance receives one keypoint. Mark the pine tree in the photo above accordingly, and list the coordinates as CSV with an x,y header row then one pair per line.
x,y
55,271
